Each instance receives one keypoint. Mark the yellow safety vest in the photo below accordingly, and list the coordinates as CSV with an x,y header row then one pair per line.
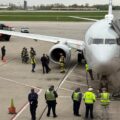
x,y
89,97
105,98
33,61
86,67
61,59
76,96
50,95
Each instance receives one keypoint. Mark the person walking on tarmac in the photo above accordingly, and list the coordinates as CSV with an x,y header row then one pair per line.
x,y
32,52
105,100
33,101
50,97
3,51
89,99
33,62
76,97
89,70
62,63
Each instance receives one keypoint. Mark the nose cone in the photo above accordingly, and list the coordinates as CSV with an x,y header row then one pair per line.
x,y
102,57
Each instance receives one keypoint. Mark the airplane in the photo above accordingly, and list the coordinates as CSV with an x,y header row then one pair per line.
x,y
101,48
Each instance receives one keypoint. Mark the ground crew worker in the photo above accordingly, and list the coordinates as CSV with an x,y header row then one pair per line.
x,y
33,101
24,55
33,62
105,100
3,52
89,70
50,97
76,97
32,52
44,61
89,99
62,63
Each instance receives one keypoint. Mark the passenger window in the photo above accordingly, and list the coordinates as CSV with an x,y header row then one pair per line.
x,y
97,41
110,41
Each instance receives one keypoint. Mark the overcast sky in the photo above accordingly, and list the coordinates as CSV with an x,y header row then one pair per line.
x,y
66,2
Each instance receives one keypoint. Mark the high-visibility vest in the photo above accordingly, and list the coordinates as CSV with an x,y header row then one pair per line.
x,y
61,60
76,96
86,67
50,95
89,97
105,98
33,61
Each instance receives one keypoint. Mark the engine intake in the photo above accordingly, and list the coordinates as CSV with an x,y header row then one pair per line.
x,y
55,51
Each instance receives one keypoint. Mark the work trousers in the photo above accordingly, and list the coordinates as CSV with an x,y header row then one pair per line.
x,y
45,68
76,106
33,111
33,67
89,108
51,105
2,56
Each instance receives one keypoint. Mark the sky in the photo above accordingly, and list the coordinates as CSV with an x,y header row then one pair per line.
x,y
66,2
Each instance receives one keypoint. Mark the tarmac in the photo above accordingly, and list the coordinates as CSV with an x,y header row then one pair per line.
x,y
17,79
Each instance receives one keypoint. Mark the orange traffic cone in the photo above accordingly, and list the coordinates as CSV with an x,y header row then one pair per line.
x,y
12,109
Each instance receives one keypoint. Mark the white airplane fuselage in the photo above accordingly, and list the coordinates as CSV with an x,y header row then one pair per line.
x,y
102,52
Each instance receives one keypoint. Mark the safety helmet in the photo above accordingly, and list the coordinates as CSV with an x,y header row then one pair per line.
x,y
90,89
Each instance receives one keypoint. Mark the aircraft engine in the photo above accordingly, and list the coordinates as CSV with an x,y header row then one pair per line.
x,y
55,51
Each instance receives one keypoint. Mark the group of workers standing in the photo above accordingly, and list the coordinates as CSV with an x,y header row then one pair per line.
x,y
77,96
44,60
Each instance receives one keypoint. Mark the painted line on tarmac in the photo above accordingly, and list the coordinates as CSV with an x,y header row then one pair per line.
x,y
81,84
24,107
67,75
79,76
9,80
66,89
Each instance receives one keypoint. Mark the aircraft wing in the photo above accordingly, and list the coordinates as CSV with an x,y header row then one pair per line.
x,y
77,17
77,44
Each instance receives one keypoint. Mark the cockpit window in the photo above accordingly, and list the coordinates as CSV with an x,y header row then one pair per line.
x,y
97,41
110,41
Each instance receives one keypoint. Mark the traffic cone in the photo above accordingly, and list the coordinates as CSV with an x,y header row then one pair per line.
x,y
12,109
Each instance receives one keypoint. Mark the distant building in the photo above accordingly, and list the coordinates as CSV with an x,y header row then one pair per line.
x,y
75,9
25,5
4,7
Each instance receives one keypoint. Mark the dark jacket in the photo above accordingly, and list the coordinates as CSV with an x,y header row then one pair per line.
x,y
33,99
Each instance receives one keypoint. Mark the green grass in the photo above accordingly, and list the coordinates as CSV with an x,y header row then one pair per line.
x,y
48,16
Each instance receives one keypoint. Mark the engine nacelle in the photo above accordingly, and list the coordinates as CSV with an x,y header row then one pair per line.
x,y
55,51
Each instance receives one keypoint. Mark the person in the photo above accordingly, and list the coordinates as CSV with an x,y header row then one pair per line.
x,y
89,70
62,63
50,97
33,101
48,61
105,100
3,51
76,97
24,55
89,99
33,62
32,52
44,64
